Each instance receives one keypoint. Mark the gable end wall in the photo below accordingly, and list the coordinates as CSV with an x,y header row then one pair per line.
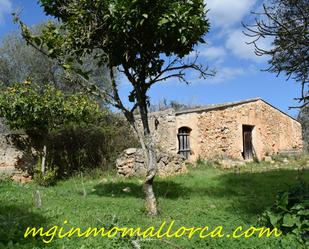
x,y
221,131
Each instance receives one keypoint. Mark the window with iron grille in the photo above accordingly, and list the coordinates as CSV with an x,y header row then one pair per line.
x,y
184,142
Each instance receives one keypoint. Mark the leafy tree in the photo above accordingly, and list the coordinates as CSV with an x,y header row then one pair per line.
x,y
19,61
39,111
145,40
287,23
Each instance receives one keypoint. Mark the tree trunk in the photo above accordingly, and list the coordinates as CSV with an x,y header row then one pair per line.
x,y
146,140
151,159
149,149
151,202
43,165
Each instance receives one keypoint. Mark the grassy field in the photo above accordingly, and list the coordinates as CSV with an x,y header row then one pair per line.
x,y
204,196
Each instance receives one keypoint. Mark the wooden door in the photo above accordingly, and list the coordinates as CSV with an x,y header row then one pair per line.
x,y
184,142
247,142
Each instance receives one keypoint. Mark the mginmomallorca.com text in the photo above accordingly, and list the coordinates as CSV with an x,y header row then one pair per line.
x,y
164,230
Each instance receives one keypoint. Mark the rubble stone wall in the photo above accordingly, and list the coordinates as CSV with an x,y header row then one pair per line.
x,y
132,163
12,160
219,132
9,154
214,132
162,124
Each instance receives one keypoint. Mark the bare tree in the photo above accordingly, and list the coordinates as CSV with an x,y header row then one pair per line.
x,y
286,22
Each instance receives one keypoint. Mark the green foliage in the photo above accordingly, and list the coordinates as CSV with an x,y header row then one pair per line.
x,y
290,212
19,60
39,110
48,179
148,39
144,39
128,28
75,148
79,135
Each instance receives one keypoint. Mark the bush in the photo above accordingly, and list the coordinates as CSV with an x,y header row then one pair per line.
x,y
48,179
290,213
80,148
78,133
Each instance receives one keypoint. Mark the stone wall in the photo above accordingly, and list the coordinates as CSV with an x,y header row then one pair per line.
x,y
11,158
217,132
221,131
14,162
162,124
132,163
9,155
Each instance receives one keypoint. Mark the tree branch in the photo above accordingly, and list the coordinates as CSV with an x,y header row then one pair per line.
x,y
172,66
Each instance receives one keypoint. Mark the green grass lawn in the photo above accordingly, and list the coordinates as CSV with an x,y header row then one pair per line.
x,y
204,196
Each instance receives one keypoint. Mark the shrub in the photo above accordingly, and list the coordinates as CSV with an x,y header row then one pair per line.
x,y
80,148
77,132
48,179
290,213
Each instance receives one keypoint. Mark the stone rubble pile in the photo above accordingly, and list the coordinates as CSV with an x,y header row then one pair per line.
x,y
131,162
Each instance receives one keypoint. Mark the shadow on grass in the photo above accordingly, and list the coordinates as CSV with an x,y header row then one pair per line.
x,y
13,224
164,189
244,193
251,193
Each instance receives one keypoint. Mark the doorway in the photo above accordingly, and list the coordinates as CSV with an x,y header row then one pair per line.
x,y
184,142
247,141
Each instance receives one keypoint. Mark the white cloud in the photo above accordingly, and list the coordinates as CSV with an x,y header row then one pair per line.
x,y
226,74
213,53
5,8
237,43
226,13
223,75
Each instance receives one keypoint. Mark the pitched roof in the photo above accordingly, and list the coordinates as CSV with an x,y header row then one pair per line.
x,y
228,104
216,106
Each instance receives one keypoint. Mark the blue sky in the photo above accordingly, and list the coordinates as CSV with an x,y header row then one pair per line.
x,y
239,69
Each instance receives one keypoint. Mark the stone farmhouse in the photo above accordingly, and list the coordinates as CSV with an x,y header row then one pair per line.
x,y
237,130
